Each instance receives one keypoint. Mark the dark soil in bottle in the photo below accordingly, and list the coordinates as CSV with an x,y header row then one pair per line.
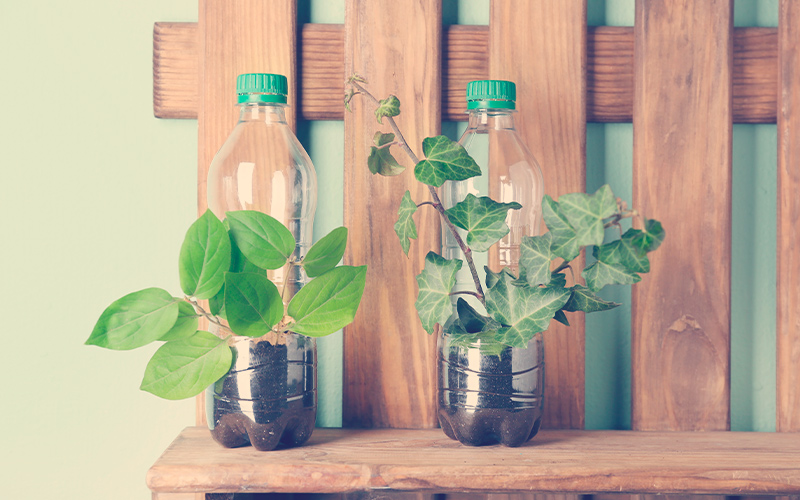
x,y
488,399
268,399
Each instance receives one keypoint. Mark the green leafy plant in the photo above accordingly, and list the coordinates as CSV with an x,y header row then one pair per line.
x,y
518,305
226,263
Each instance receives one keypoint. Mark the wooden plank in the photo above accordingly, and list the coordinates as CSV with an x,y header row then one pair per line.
x,y
548,65
609,92
682,176
788,326
555,461
389,360
237,36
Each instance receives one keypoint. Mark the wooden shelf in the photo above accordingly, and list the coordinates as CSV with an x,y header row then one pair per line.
x,y
345,460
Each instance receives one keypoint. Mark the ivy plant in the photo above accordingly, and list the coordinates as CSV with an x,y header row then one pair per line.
x,y
226,263
516,306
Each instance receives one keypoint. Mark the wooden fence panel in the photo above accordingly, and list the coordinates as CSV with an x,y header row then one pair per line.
x,y
389,360
682,176
548,64
788,295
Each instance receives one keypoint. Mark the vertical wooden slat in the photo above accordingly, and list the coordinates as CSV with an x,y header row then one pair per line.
x,y
682,128
788,294
541,45
389,360
238,36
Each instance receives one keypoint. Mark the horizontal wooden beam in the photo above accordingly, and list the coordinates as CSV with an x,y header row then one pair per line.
x,y
609,75
346,460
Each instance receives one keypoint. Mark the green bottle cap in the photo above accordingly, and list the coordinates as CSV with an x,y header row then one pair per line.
x,y
262,87
491,94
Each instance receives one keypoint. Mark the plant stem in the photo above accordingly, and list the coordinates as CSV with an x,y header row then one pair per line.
x,y
286,280
210,317
563,266
437,203
425,203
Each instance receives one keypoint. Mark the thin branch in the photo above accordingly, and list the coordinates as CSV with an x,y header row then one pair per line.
x,y
210,317
426,203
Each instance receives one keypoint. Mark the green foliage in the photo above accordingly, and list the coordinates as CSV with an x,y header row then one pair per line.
x,y
387,107
262,239
534,257
326,253
329,302
181,369
135,320
380,159
483,218
445,160
405,228
585,213
582,299
435,283
205,251
565,239
226,262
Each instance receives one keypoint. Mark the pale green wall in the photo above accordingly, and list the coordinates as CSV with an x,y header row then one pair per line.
x,y
97,194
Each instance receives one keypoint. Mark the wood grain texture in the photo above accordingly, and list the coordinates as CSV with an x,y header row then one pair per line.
x,y
788,294
343,460
237,36
389,360
682,177
609,78
548,65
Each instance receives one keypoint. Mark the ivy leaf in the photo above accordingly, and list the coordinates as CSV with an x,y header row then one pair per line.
x,y
625,253
472,321
491,277
262,239
525,311
484,218
607,270
651,237
565,240
561,317
326,253
329,302
185,325
557,280
435,283
405,227
387,107
582,299
380,159
535,257
585,213
204,258
445,160
181,369
253,303
135,320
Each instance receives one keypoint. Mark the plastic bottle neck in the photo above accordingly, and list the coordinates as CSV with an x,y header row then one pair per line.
x,y
262,112
491,119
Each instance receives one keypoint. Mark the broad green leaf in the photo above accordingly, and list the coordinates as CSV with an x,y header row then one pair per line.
x,y
380,159
435,283
185,325
582,299
484,218
557,280
625,253
205,256
565,240
329,302
651,237
184,368
253,304
135,320
387,107
445,160
561,317
585,213
405,227
239,264
607,271
262,239
326,253
491,277
472,321
535,256
524,311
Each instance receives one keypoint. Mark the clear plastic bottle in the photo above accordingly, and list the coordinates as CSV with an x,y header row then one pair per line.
x,y
509,172
488,395
262,166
